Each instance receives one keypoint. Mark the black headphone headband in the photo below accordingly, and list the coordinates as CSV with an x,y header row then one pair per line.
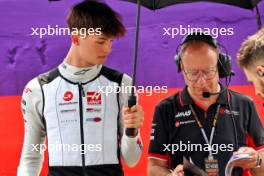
x,y
224,61
200,37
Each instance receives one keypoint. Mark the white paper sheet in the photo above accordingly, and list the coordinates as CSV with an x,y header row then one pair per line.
x,y
235,157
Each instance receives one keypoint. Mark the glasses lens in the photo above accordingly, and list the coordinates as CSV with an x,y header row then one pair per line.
x,y
210,74
207,74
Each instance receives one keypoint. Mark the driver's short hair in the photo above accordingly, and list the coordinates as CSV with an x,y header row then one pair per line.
x,y
95,14
251,50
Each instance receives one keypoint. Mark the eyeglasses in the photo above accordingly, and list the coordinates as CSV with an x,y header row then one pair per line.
x,y
194,75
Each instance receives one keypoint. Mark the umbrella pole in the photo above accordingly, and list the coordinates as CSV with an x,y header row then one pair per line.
x,y
132,100
258,18
136,45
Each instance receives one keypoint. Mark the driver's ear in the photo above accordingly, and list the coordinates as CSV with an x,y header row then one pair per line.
x,y
75,39
260,70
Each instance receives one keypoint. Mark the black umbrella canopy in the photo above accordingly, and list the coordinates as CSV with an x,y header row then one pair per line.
x,y
157,4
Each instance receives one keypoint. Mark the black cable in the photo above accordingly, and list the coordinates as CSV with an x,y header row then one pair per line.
x,y
234,124
235,129
228,80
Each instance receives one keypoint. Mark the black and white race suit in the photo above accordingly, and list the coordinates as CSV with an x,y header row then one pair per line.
x,y
78,111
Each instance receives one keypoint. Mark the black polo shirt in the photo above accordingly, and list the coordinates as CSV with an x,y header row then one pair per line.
x,y
174,126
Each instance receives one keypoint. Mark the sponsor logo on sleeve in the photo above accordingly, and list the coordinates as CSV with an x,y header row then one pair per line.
x,y
139,143
153,131
27,90
23,111
24,102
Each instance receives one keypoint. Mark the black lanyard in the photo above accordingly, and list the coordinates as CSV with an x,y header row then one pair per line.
x,y
202,129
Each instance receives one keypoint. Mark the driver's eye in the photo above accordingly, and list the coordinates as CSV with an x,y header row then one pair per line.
x,y
100,42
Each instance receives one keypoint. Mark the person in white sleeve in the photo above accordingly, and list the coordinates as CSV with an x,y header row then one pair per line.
x,y
71,109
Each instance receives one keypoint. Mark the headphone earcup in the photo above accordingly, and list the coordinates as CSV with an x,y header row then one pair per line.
x,y
224,65
177,60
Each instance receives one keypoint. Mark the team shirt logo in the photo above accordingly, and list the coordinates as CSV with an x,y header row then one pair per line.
x,y
94,98
183,114
95,119
68,96
93,110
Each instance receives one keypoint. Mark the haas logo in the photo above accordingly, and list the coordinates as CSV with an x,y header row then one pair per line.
x,y
183,114
94,98
68,96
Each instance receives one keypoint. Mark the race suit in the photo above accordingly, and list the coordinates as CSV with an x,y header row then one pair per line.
x,y
78,110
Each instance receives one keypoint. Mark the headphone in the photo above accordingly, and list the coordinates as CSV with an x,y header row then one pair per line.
x,y
223,64
224,60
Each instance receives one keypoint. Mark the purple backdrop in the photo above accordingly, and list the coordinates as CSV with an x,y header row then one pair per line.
x,y
23,56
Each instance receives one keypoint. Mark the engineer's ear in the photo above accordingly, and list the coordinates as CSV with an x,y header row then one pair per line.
x,y
260,70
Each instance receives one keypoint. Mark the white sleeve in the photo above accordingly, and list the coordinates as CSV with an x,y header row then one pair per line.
x,y
131,148
32,157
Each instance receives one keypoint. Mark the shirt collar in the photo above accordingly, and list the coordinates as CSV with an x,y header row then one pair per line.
x,y
76,74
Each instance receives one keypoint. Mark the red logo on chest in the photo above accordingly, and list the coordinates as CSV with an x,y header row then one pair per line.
x,y
68,96
94,98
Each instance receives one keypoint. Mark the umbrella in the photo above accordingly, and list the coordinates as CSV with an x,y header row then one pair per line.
x,y
157,4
